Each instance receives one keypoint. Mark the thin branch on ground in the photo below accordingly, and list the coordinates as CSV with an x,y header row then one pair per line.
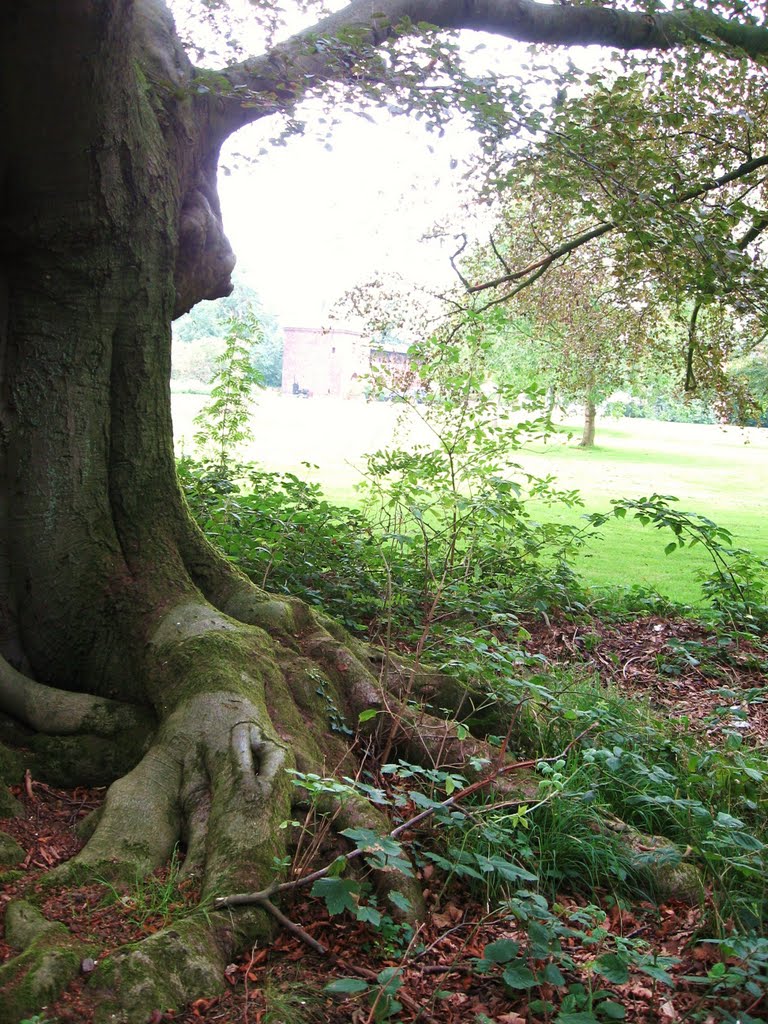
x,y
264,895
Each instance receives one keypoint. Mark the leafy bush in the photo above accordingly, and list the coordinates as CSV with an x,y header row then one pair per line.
x,y
737,584
443,540
668,409
288,538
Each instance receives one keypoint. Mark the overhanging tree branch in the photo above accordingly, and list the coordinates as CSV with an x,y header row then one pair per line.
x,y
328,50
532,271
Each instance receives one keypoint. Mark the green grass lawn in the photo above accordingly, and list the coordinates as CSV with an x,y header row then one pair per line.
x,y
718,472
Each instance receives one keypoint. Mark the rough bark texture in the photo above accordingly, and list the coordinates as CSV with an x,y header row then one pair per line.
x,y
121,630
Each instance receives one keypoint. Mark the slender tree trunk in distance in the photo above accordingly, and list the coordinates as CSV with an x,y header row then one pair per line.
x,y
588,433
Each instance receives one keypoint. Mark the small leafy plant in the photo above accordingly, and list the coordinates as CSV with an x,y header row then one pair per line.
x,y
381,993
737,586
223,421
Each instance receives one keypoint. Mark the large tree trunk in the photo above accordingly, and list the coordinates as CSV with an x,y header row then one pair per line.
x,y
147,649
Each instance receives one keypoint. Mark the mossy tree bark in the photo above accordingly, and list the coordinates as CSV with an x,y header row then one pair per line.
x,y
118,622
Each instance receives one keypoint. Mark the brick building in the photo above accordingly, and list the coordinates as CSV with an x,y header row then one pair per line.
x,y
324,362
392,366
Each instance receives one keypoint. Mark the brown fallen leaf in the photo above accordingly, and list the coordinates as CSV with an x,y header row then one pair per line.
x,y
451,915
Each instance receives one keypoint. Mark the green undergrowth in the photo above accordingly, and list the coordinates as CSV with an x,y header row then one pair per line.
x,y
632,808
444,560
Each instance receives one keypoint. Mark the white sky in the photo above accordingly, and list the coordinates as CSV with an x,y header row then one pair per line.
x,y
307,223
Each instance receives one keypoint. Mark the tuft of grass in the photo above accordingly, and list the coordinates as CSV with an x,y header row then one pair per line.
x,y
291,1002
153,897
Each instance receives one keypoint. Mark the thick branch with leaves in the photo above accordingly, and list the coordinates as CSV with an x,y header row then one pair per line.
x,y
340,46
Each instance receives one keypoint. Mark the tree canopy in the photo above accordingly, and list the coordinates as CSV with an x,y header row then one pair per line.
x,y
662,147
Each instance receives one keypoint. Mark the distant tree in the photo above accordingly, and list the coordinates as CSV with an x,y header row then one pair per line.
x,y
751,372
664,162
223,422
573,332
209,320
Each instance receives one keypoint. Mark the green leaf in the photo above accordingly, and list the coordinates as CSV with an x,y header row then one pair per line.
x,y
612,1010
400,901
612,968
501,951
553,975
363,838
368,914
346,986
337,867
390,979
338,894
508,871
366,716
657,973
518,975
578,1017
540,938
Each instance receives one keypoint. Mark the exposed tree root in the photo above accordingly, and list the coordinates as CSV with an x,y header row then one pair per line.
x,y
49,960
77,737
165,970
58,712
240,697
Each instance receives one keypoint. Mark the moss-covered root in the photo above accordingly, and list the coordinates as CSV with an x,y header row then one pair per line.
x,y
49,960
366,679
214,780
71,739
660,862
182,962
63,713
10,851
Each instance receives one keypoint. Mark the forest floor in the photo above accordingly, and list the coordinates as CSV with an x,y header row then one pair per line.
x,y
284,983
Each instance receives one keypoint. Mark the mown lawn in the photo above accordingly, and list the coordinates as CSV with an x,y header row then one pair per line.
x,y
718,472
